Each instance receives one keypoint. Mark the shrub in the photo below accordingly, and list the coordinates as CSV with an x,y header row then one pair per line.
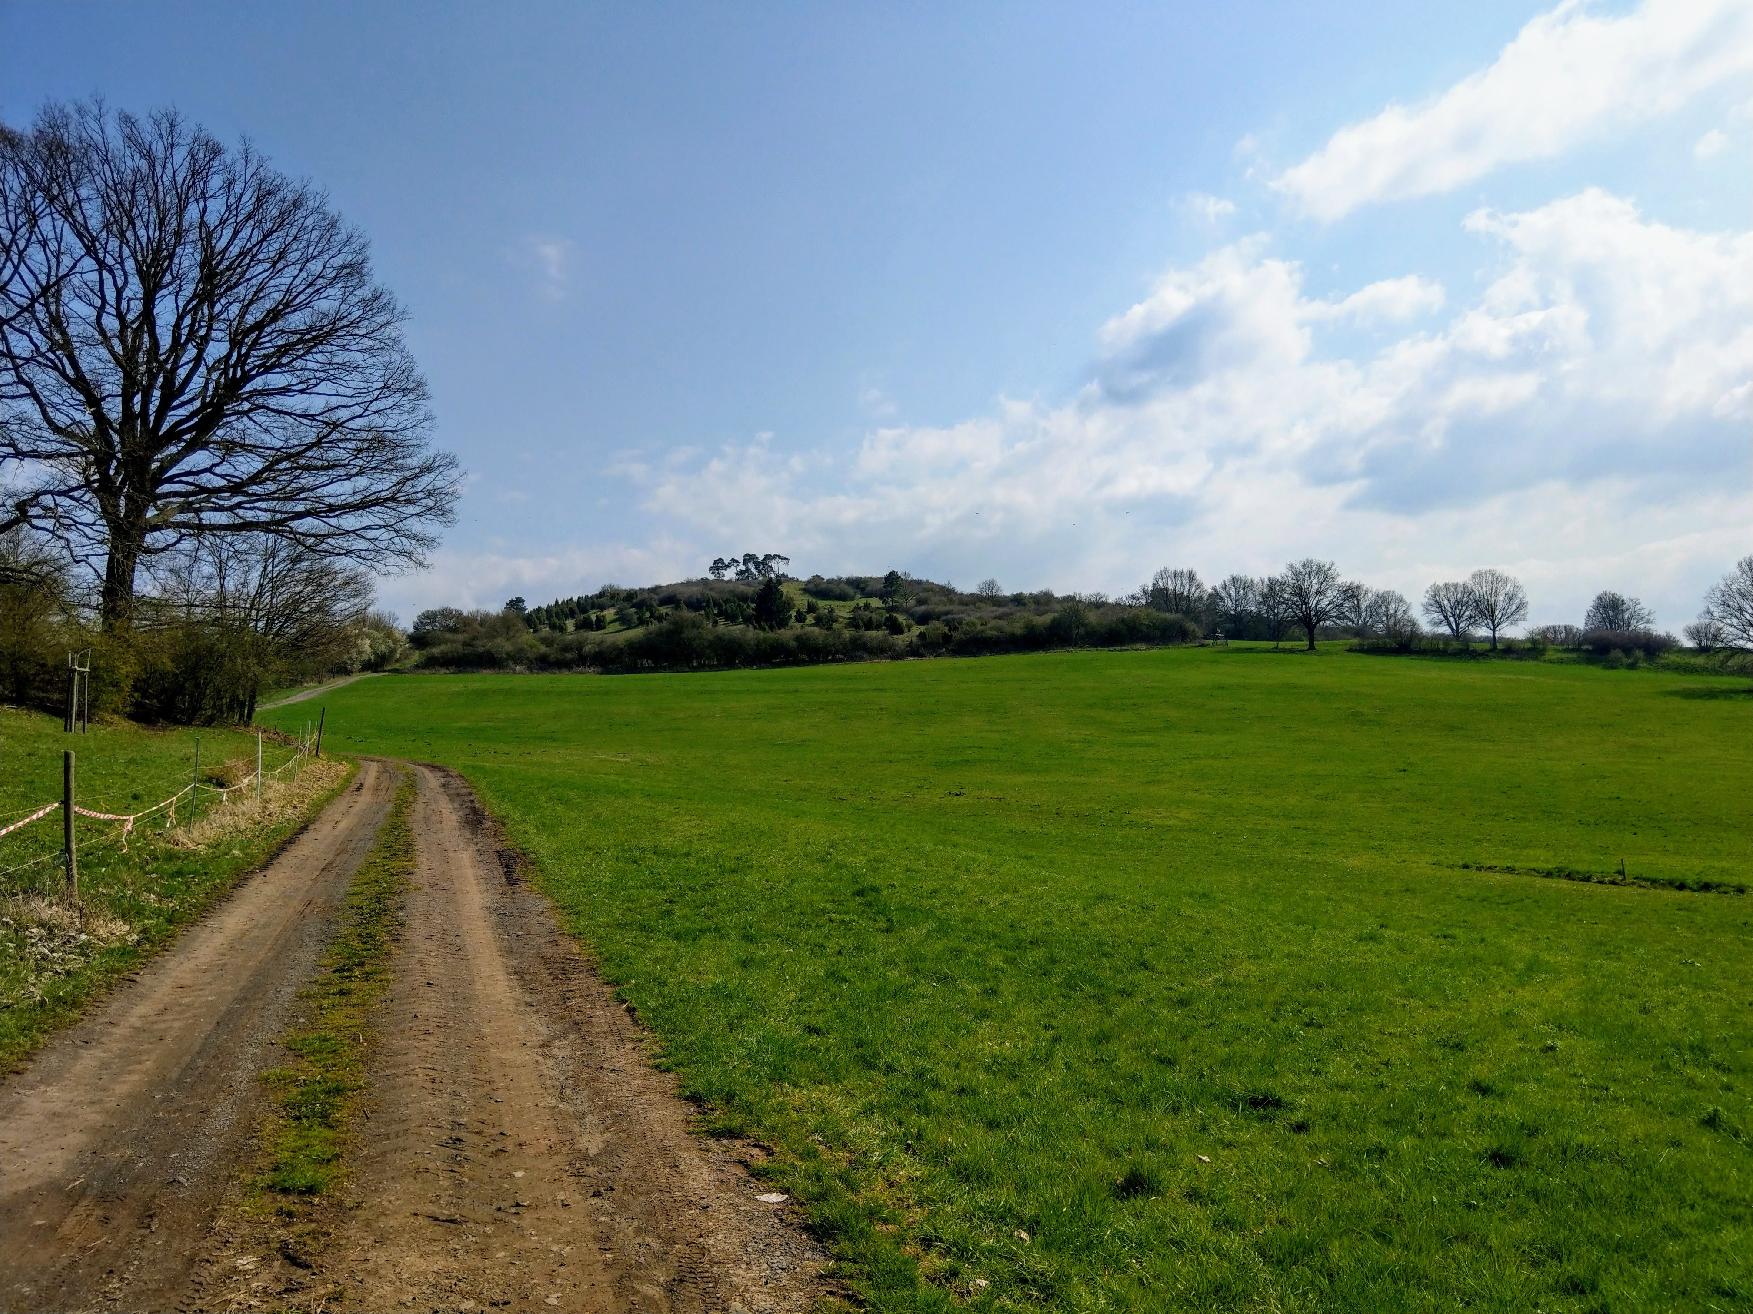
x,y
1643,643
830,590
1557,636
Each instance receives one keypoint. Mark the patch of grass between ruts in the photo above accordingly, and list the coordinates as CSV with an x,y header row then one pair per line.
x,y
314,1092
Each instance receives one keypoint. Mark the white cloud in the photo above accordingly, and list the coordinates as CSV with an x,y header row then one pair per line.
x,y
1391,301
875,402
550,260
1712,143
1575,421
1569,76
468,578
1212,210
1643,315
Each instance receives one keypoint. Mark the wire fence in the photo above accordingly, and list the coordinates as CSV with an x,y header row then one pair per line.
x,y
25,829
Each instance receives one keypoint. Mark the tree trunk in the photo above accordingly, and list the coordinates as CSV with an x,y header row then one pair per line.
x,y
126,542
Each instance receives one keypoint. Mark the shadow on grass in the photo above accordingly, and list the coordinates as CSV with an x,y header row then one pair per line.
x,y
1715,693
1690,885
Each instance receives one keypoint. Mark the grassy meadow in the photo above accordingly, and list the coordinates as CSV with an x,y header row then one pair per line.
x,y
1175,979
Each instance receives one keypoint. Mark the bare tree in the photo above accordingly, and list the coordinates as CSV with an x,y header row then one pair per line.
x,y
1706,633
988,588
192,345
1452,606
753,568
1176,590
1499,601
1730,604
246,610
1353,609
1314,594
1615,611
1387,614
1557,636
1273,603
1234,601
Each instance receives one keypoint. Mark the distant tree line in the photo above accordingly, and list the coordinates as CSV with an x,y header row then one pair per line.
x,y
225,620
751,613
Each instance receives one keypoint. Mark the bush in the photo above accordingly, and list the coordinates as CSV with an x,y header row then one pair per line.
x,y
482,641
1625,643
1557,636
686,640
830,590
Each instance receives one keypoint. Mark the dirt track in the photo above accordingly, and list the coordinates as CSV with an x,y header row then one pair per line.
x,y
118,1145
304,695
517,1150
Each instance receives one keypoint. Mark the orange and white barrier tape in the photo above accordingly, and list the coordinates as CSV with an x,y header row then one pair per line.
x,y
22,822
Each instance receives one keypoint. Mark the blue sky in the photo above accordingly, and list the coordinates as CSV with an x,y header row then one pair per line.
x,y
1057,294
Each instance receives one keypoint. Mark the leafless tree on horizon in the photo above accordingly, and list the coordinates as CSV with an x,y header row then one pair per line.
x,y
1499,601
1314,593
1451,605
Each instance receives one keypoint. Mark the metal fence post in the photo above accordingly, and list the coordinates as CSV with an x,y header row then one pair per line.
x,y
67,847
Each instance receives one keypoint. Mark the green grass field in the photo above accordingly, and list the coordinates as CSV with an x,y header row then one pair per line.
x,y
1166,980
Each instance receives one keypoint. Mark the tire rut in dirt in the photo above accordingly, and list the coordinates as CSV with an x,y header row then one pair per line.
x,y
517,1148
119,1144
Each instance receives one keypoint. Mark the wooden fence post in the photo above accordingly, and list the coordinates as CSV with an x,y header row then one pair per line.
x,y
195,780
322,715
67,848
258,766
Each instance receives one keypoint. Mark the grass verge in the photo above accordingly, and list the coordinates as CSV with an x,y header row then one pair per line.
x,y
57,957
314,1092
